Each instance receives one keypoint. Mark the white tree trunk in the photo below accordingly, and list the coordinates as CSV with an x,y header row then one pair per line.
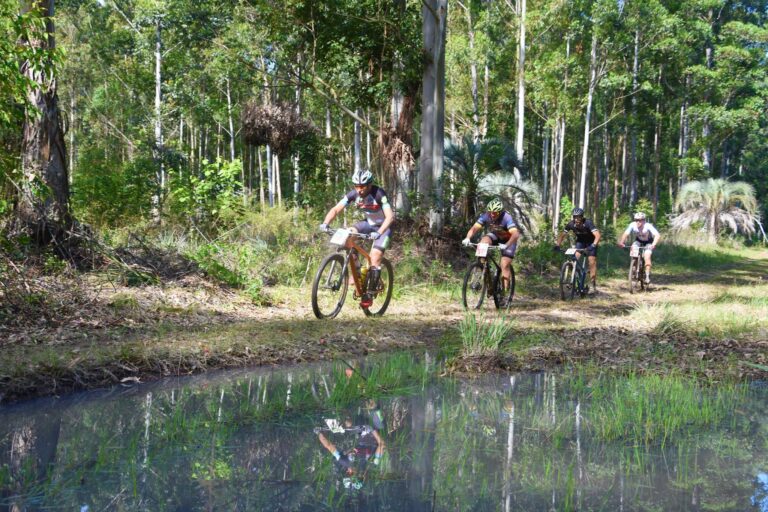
x,y
358,143
157,199
433,112
519,146
590,94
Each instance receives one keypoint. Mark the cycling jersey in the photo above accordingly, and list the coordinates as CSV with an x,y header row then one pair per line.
x,y
644,237
498,229
585,233
372,205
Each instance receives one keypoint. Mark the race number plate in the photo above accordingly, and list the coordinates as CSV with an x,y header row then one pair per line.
x,y
339,238
634,251
482,250
570,250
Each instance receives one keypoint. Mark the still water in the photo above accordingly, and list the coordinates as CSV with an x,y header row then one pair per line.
x,y
388,434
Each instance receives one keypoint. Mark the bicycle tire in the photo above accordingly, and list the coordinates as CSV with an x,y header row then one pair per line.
x,y
498,286
329,288
474,287
633,274
383,295
582,287
567,274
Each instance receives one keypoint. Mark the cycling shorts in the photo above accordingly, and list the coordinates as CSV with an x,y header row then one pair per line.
x,y
381,243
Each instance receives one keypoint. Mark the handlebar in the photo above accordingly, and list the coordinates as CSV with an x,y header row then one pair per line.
x,y
499,247
331,231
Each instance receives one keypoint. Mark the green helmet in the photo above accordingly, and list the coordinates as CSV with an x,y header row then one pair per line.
x,y
495,205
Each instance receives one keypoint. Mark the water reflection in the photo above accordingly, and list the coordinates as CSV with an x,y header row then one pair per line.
x,y
381,435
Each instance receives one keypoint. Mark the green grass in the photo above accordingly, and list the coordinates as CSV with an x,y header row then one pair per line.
x,y
727,315
655,408
483,336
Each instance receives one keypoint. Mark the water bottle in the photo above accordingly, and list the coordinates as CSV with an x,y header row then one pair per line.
x,y
364,274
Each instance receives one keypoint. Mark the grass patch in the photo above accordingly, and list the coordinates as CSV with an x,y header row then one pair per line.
x,y
483,336
719,318
655,408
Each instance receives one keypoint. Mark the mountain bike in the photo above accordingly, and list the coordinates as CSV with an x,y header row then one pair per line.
x,y
573,274
329,289
637,268
484,278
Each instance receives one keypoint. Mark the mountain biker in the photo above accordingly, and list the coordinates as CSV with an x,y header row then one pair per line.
x,y
645,236
587,238
501,230
353,463
379,216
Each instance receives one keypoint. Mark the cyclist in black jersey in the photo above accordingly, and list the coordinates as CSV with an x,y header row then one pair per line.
x,y
587,238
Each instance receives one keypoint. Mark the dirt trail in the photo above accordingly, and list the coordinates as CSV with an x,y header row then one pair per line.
x,y
135,334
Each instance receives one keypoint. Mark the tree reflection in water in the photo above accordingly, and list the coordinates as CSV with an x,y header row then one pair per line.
x,y
409,441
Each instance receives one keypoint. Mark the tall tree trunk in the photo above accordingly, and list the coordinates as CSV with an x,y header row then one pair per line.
x,y
358,142
157,200
634,121
43,205
545,166
519,147
433,117
231,124
328,137
561,144
590,95
472,73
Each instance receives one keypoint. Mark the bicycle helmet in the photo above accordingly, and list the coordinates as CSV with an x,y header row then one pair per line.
x,y
639,216
362,177
577,212
495,205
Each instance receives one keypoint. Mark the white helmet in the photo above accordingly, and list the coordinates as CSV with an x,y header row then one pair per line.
x,y
362,177
639,216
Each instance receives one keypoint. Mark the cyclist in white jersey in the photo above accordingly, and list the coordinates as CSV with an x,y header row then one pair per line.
x,y
645,236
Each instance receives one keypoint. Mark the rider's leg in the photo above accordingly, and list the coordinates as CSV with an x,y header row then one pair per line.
x,y
593,271
506,274
647,257
375,270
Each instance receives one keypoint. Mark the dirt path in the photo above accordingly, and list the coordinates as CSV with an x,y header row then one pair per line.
x,y
127,335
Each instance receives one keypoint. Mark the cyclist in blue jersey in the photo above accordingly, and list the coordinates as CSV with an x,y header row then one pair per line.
x,y
500,230
379,216
587,238
646,235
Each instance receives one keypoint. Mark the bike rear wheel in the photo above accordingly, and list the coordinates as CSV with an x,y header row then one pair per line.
x,y
502,299
383,293
475,286
329,289
567,280
634,274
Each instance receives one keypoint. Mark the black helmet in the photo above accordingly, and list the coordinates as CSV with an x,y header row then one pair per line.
x,y
577,212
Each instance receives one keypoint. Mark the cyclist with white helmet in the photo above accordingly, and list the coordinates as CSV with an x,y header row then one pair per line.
x,y
500,230
645,236
379,216
587,238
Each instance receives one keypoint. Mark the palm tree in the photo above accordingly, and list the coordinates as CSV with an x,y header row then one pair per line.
x,y
718,204
470,167
520,196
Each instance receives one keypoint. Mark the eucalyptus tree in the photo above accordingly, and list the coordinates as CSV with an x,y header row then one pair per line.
x,y
43,202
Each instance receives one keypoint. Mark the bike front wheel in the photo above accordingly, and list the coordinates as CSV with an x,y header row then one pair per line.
x,y
475,286
329,288
567,280
383,292
634,274
502,298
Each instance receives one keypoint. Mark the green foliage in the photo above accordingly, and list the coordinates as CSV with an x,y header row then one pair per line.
x,y
566,206
233,266
214,193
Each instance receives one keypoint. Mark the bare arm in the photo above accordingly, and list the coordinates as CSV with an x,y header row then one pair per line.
x,y
326,443
597,237
514,236
474,229
389,218
332,213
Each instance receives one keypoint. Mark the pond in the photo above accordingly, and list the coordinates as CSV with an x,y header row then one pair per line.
x,y
390,434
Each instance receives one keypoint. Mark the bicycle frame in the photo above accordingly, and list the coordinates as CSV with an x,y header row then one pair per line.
x,y
573,273
351,248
